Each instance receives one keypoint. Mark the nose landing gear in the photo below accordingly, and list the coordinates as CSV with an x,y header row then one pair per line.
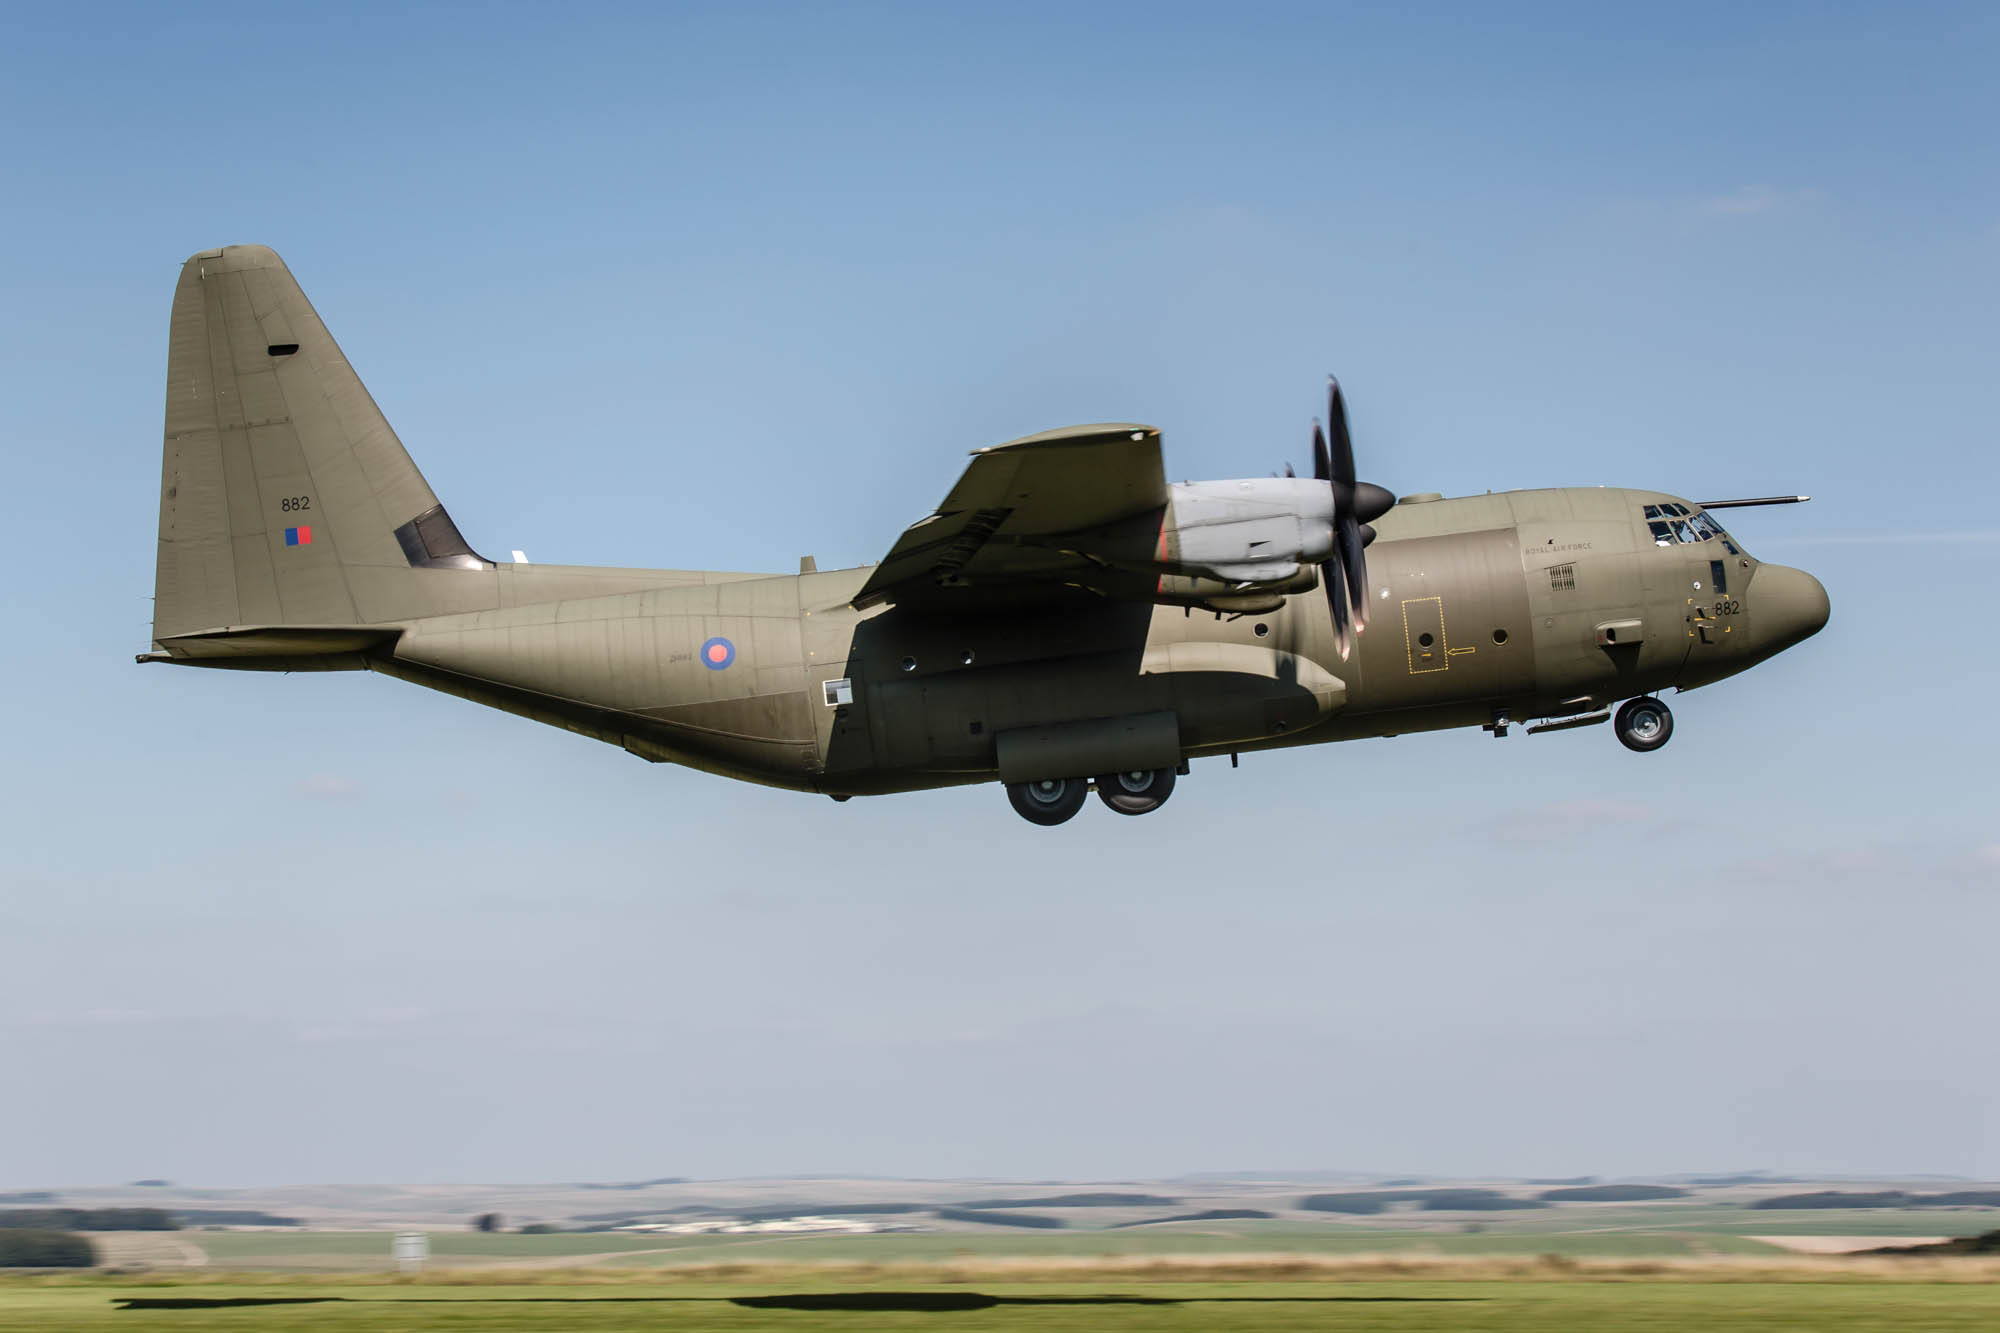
x,y
1643,724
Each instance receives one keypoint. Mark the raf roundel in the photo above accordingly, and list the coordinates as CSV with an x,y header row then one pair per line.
x,y
717,654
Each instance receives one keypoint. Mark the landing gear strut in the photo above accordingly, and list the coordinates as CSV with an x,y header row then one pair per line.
x,y
1136,793
1048,800
1643,724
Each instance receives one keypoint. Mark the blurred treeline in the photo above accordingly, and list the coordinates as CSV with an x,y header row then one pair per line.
x,y
1883,1199
88,1219
22,1247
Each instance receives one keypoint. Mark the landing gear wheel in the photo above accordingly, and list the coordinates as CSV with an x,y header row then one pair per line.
x,y
1136,793
1048,800
1643,724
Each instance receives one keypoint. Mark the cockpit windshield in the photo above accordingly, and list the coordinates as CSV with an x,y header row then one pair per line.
x,y
1670,523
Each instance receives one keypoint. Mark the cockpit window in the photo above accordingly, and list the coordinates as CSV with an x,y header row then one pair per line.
x,y
1672,523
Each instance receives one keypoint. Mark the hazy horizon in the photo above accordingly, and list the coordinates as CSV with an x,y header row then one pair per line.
x,y
1302,1176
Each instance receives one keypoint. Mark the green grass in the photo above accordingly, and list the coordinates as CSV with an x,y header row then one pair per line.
x,y
1657,1230
1264,1239
1518,1305
317,1249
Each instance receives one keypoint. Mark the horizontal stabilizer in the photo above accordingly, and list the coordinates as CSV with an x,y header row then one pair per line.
x,y
237,646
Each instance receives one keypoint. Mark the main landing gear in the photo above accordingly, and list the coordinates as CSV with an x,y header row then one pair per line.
x,y
1138,793
1056,800
1643,724
1048,800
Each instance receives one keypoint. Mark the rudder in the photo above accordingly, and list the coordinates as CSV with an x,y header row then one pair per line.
x,y
285,497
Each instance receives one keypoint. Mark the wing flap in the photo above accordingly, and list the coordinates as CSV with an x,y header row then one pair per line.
x,y
1001,529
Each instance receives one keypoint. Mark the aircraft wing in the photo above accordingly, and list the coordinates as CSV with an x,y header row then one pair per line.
x,y
1013,528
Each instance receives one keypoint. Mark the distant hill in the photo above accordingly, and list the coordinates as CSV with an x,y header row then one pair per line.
x,y
232,1217
1358,1204
1211,1215
1882,1199
1001,1219
1451,1201
1612,1193
1431,1200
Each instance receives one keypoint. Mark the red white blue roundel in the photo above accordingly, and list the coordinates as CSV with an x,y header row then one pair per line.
x,y
717,653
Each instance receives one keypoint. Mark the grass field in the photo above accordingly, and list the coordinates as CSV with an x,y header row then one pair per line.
x,y
1655,1231
337,1251
1720,1300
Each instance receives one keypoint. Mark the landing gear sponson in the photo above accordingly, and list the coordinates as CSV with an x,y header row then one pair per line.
x,y
1643,725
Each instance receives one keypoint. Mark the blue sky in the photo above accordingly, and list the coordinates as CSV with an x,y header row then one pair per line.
x,y
720,286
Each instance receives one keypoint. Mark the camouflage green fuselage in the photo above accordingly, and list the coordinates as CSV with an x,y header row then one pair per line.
x,y
1524,604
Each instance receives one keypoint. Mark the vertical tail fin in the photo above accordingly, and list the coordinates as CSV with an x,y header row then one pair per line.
x,y
285,498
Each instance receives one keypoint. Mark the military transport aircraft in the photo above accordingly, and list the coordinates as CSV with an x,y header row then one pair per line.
x,y
1066,620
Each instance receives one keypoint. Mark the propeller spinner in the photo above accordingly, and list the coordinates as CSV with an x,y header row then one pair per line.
x,y
1344,575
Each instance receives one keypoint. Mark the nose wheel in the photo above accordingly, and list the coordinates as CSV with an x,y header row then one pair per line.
x,y
1643,724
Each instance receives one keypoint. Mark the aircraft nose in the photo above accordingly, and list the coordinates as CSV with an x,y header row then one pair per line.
x,y
1787,605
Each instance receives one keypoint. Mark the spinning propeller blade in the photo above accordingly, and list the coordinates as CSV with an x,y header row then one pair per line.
x,y
1330,572
1345,572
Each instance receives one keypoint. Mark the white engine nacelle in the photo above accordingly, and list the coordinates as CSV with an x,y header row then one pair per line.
x,y
1247,534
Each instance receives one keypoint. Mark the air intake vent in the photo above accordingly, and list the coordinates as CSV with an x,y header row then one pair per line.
x,y
282,349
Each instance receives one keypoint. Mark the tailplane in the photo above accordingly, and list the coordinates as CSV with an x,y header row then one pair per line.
x,y
288,507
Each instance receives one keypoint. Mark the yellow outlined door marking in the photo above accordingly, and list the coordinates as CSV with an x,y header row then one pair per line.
x,y
1423,618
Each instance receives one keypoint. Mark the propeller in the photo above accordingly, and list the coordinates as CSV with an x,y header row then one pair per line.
x,y
1344,575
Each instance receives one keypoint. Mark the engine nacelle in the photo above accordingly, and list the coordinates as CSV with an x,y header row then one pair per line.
x,y
1256,534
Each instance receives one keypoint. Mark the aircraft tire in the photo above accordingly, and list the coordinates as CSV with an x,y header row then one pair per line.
x,y
1136,793
1643,724
1049,801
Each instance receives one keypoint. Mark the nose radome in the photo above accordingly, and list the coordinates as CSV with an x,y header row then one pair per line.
x,y
1787,605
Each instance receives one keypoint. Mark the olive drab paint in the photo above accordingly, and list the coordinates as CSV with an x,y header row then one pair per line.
x,y
1066,618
